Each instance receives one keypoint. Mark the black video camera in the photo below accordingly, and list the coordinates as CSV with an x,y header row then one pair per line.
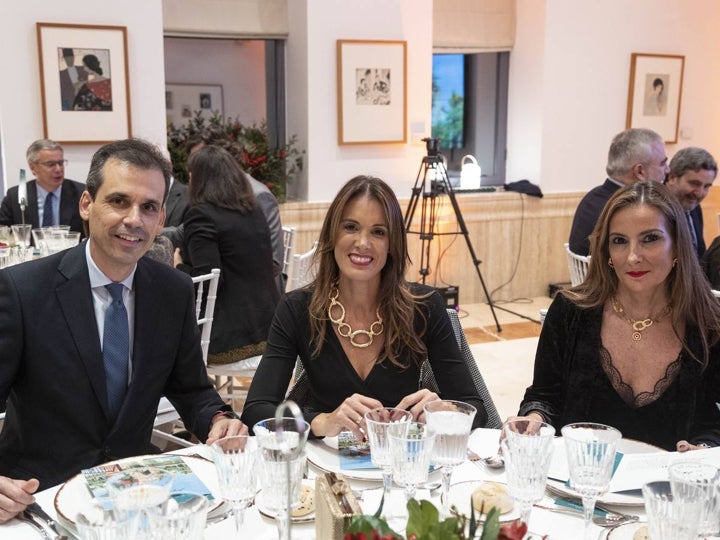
x,y
432,144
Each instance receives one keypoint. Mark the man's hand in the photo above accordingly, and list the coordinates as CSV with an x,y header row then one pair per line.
x,y
15,495
225,427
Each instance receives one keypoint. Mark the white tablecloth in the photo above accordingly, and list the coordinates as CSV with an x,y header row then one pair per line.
x,y
483,441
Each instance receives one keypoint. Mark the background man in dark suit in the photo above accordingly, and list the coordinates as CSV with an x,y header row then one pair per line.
x,y
47,162
692,173
69,405
635,154
176,205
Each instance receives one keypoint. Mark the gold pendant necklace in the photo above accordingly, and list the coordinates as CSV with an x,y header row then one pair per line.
x,y
346,331
641,325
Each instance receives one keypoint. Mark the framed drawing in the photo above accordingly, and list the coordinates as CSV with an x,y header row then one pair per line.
x,y
655,93
84,82
372,91
182,101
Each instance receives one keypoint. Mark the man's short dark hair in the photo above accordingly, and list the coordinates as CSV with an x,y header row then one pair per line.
x,y
692,158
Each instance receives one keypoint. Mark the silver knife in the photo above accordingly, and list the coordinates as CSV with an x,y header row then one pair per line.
x,y
37,510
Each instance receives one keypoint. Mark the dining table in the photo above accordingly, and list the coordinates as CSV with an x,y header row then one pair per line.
x,y
544,523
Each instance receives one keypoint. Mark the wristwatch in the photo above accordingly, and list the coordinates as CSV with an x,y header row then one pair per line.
x,y
703,445
227,414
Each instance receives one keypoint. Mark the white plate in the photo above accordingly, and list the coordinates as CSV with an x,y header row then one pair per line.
x,y
625,446
624,532
308,518
461,492
74,495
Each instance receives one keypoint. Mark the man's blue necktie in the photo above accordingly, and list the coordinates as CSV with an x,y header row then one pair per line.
x,y
48,211
116,348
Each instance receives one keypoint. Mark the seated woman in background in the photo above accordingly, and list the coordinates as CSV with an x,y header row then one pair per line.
x,y
635,345
360,330
225,229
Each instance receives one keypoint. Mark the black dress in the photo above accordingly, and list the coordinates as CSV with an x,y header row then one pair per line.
x,y
570,384
331,375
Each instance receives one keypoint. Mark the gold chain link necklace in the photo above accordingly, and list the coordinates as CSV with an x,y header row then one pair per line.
x,y
346,331
643,324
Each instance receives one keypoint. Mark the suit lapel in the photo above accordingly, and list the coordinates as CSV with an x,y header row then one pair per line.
x,y
31,210
75,298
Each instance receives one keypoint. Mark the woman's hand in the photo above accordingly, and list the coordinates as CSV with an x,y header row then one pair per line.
x,y
684,446
350,415
414,403
177,258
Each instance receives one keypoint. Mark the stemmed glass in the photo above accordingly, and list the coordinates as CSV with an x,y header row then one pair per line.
x,y
377,422
670,516
236,462
282,465
452,422
527,447
411,448
135,491
698,483
590,452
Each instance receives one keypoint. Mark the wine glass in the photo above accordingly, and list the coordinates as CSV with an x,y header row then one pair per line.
x,y
590,452
136,491
452,422
182,517
527,447
377,422
411,448
670,517
282,465
236,462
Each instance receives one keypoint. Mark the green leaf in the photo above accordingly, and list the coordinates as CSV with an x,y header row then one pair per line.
x,y
492,525
368,524
421,516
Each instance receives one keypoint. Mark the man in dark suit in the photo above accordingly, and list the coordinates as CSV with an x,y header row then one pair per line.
x,y
80,389
176,205
52,199
635,154
692,173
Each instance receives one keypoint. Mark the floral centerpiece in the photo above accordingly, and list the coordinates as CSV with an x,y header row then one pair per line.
x,y
273,166
424,524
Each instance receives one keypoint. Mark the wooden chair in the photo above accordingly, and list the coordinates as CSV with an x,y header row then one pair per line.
x,y
167,417
578,266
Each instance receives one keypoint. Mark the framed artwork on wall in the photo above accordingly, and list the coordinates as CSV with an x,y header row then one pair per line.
x,y
655,93
182,101
372,91
84,82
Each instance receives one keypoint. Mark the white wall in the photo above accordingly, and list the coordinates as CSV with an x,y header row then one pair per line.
x,y
569,81
20,105
315,25
237,65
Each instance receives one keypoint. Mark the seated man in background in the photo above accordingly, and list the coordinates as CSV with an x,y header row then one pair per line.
x,y
52,199
692,173
81,374
635,154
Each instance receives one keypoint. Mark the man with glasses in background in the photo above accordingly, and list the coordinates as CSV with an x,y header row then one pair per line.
x,y
52,199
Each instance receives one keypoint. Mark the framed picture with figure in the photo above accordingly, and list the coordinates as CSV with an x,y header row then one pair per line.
x,y
655,93
372,91
84,82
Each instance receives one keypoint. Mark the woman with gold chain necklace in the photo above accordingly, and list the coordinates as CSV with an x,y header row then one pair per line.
x,y
360,330
635,345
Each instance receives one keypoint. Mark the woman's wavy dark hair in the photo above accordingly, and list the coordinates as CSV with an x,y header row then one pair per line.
x,y
216,178
688,290
396,303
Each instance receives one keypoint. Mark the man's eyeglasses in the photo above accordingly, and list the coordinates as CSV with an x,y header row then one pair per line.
x,y
53,164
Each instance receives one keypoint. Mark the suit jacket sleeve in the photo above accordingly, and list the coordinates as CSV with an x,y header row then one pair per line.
x,y
6,208
271,210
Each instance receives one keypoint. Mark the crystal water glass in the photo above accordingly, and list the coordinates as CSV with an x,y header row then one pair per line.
x,y
181,517
377,422
136,491
590,450
698,481
282,466
527,447
96,524
21,234
411,448
236,462
452,422
670,517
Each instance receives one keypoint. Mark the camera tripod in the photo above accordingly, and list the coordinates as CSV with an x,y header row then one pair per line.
x,y
432,181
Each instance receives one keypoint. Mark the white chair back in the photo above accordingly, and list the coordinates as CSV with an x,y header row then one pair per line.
x,y
716,293
288,243
578,266
302,271
205,316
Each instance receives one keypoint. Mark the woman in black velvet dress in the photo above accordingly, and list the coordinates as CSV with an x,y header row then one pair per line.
x,y
635,345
